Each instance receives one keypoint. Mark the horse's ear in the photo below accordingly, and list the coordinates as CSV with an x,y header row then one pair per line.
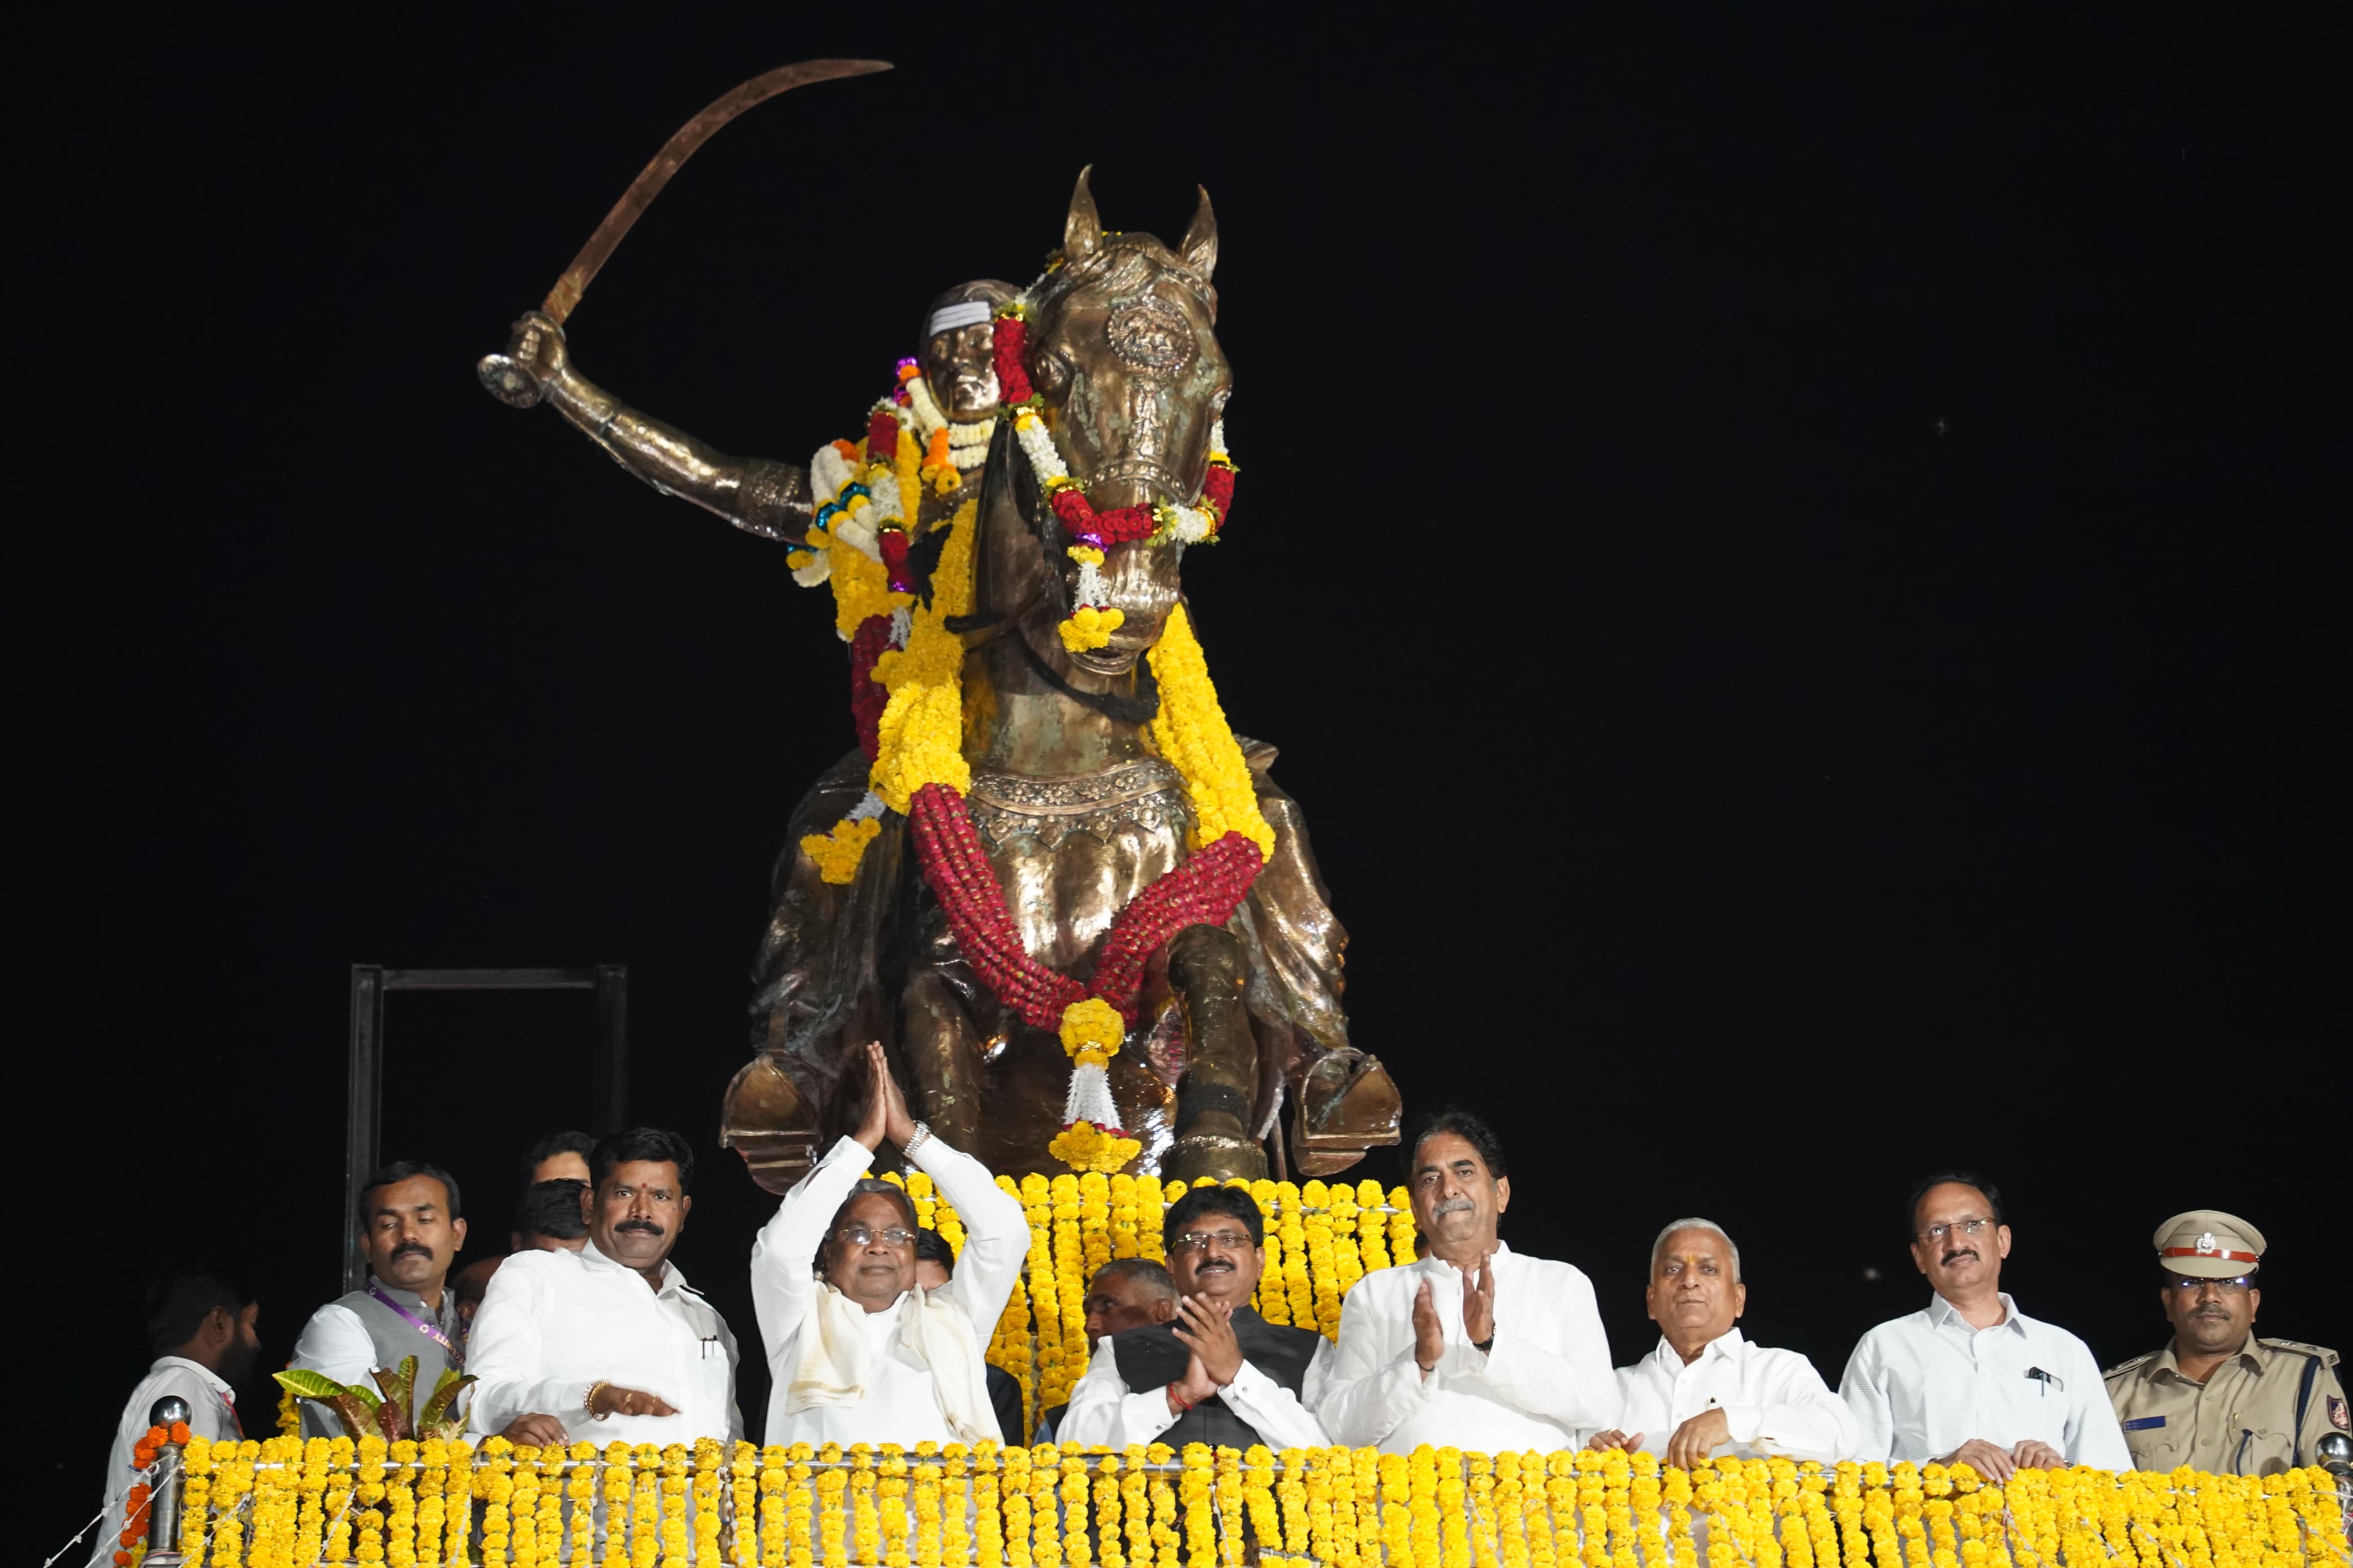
x,y
1200,247
1082,230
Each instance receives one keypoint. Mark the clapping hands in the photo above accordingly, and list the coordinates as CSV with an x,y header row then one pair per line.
x,y
1478,1316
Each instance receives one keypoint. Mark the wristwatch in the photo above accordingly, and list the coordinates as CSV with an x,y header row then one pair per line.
x,y
922,1135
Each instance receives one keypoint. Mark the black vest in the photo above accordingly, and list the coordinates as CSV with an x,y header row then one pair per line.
x,y
1156,1357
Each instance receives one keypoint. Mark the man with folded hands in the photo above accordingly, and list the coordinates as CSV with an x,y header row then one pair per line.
x,y
859,1350
1217,1373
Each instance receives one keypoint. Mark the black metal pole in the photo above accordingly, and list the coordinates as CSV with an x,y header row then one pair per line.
x,y
610,1100
362,1108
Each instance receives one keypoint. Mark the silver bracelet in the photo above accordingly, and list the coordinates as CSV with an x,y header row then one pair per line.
x,y
922,1135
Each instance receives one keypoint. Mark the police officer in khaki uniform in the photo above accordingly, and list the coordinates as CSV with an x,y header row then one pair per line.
x,y
2217,1398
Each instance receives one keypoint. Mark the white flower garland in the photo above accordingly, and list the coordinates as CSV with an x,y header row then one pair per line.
x,y
967,441
1089,1098
1184,525
861,518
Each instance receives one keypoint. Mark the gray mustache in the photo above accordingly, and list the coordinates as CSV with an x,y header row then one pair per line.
x,y
1455,1205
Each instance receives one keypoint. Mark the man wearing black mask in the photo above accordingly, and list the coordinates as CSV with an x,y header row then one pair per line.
x,y
1217,1373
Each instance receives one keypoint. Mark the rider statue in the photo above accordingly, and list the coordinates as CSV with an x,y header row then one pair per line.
x,y
1075,811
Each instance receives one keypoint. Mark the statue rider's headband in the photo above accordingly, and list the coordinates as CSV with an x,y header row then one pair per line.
x,y
948,318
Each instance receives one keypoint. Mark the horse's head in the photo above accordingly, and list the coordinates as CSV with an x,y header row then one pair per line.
x,y
1123,350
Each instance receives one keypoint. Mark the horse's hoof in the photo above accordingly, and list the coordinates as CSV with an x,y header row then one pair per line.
x,y
765,1119
1213,1156
1347,1105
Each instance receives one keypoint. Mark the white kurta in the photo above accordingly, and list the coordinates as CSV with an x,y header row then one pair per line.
x,y
212,1415
1774,1402
1921,1385
554,1322
901,1404
1546,1375
1104,1412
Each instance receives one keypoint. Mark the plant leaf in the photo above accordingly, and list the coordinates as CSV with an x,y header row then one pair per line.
x,y
309,1384
392,1421
445,1394
365,1396
356,1417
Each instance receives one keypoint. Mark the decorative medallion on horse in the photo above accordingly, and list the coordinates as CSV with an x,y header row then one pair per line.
x,y
1072,904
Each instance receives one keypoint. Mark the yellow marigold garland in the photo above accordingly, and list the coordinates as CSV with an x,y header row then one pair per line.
x,y
1083,1146
1193,736
1089,626
921,732
862,587
833,1517
989,1521
270,1505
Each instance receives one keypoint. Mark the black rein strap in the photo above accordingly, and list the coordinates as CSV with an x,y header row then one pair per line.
x,y
1141,708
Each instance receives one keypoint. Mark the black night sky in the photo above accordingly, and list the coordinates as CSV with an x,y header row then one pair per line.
x,y
1787,562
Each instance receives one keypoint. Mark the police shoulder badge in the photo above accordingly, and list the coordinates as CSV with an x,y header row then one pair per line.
x,y
2337,1416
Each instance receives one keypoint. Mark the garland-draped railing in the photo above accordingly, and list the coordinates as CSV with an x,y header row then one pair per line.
x,y
289,1501
1320,1241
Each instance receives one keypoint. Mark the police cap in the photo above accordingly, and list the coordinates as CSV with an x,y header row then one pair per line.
x,y
2207,1243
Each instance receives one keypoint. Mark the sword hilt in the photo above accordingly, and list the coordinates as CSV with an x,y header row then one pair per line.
x,y
504,378
518,374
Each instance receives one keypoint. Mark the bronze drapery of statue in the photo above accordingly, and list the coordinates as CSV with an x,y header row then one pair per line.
x,y
1076,809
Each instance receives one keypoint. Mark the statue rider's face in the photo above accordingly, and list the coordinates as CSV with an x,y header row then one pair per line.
x,y
961,367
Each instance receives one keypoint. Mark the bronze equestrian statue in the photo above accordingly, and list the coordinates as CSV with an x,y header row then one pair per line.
x,y
1070,798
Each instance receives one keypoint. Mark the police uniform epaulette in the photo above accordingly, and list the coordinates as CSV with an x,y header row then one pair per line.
x,y
2123,1367
2325,1356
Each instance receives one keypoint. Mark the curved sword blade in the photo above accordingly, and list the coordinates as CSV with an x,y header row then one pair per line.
x,y
565,295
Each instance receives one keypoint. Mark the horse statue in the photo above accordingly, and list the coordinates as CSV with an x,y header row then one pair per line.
x,y
1078,911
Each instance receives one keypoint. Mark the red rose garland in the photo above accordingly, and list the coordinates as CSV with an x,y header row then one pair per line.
x,y
868,696
1078,514
1100,527
881,436
1218,487
1204,890
1010,344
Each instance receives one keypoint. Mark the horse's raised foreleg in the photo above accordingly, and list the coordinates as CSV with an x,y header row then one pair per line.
x,y
1207,971
943,1055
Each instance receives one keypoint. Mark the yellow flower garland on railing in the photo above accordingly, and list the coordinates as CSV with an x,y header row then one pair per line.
x,y
1316,1236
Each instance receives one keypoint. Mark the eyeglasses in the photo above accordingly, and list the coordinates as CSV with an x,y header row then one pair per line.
x,y
1223,1240
1937,1233
862,1235
2236,1285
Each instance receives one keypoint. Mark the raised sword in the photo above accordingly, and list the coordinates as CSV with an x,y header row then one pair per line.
x,y
506,379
